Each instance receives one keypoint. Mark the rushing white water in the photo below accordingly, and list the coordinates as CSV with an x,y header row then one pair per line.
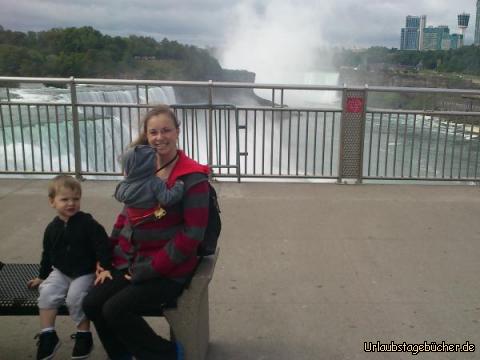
x,y
307,98
164,95
93,94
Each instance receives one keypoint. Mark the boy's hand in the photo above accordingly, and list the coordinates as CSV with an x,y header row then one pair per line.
x,y
102,276
98,269
34,283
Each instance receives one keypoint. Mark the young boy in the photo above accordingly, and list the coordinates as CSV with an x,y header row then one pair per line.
x,y
141,188
73,243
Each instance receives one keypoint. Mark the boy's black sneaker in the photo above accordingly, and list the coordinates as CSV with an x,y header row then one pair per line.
x,y
83,345
48,344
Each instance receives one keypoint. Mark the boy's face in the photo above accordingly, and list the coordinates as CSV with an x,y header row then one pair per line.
x,y
66,202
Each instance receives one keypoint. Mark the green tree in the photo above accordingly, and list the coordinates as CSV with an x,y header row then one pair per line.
x,y
85,51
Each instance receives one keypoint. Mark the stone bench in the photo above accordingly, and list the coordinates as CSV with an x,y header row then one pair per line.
x,y
189,320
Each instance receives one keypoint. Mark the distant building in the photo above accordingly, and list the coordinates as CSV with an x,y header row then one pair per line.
x,y
456,41
444,32
410,34
436,38
409,39
423,24
417,36
477,25
412,22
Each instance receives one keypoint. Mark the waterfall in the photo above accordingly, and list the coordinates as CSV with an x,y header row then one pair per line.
x,y
36,136
127,95
307,98
321,78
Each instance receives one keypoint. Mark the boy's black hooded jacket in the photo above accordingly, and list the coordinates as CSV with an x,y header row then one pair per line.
x,y
74,247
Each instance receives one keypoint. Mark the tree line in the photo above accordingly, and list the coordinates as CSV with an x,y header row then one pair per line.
x,y
85,52
464,60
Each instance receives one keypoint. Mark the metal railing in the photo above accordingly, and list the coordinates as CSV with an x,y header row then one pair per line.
x,y
67,131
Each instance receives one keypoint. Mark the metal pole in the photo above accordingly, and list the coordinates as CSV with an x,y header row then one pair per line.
x,y
237,129
342,137
210,124
76,130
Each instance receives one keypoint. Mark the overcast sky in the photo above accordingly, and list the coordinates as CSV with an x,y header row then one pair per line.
x,y
262,28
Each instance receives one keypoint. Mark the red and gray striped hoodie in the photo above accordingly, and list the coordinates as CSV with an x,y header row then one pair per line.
x,y
166,247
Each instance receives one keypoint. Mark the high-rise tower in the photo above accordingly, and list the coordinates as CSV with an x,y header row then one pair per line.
x,y
423,24
410,33
477,25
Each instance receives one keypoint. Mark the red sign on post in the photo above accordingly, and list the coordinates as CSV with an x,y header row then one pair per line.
x,y
354,105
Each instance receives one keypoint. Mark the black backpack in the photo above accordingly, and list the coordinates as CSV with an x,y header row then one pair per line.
x,y
214,226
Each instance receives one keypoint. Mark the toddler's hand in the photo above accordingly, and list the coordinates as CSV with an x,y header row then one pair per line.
x,y
179,184
34,283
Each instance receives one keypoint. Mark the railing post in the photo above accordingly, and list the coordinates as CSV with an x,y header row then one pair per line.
x,y
210,124
352,134
76,130
237,140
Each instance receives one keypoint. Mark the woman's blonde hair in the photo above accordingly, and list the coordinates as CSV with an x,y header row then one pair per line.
x,y
157,110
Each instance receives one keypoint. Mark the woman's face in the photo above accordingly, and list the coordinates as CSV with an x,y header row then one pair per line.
x,y
162,134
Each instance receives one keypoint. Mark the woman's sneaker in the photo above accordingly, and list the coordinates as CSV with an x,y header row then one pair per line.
x,y
83,345
48,344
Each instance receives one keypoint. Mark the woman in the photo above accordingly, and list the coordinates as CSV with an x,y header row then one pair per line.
x,y
154,263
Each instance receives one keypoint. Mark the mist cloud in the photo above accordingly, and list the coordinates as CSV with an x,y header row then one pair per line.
x,y
274,40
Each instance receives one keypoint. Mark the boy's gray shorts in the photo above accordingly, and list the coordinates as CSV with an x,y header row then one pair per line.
x,y
58,287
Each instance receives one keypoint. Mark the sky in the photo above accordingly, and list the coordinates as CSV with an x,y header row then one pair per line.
x,y
249,33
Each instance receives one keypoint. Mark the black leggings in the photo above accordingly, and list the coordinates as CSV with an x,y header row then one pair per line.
x,y
114,307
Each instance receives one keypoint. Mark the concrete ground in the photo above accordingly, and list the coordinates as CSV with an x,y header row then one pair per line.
x,y
306,271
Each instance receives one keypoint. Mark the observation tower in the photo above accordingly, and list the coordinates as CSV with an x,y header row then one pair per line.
x,y
463,19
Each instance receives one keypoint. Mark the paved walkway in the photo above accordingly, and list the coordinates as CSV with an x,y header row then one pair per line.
x,y
306,271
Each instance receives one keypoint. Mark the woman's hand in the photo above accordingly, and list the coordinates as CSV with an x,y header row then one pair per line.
x,y
34,282
128,275
102,276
